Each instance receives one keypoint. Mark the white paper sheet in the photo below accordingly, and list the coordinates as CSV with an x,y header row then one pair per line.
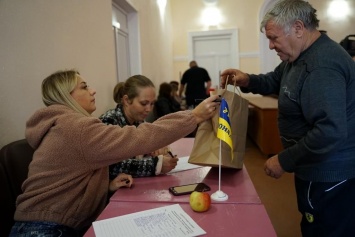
x,y
170,221
183,164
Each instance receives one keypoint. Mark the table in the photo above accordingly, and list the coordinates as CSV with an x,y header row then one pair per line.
x,y
249,220
242,214
236,183
262,124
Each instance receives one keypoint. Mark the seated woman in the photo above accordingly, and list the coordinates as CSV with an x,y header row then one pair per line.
x,y
166,103
135,99
67,183
175,87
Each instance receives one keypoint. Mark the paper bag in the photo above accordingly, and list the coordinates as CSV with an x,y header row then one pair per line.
x,y
206,150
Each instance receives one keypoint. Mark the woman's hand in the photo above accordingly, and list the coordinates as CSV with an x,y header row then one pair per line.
x,y
206,109
235,77
162,151
169,163
122,180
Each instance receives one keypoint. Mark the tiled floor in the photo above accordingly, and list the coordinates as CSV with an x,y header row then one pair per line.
x,y
278,196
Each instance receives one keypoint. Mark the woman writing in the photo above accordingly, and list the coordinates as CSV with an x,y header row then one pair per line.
x,y
67,183
135,99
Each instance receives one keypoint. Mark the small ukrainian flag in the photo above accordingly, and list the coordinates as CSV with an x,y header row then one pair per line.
x,y
224,131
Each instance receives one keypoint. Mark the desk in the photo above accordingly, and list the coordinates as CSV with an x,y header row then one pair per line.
x,y
249,220
242,214
236,183
262,124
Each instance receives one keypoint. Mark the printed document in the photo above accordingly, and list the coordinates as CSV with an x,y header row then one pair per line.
x,y
171,221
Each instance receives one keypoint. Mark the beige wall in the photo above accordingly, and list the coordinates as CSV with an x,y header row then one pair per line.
x,y
39,37
243,15
239,14
156,40
336,29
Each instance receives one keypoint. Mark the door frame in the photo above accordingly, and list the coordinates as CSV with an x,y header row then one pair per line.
x,y
232,34
268,58
134,49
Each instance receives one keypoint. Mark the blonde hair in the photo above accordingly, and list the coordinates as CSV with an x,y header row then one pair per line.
x,y
57,87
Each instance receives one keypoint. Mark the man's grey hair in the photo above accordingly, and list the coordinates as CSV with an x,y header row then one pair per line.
x,y
286,12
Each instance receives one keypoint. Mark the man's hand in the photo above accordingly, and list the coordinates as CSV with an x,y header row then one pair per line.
x,y
273,168
235,77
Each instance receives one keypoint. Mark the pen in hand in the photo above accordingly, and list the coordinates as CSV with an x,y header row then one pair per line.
x,y
127,181
171,154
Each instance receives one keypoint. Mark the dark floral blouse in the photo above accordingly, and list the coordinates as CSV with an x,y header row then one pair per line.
x,y
140,166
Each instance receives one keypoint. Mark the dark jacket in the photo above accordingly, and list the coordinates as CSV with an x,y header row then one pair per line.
x,y
165,106
316,111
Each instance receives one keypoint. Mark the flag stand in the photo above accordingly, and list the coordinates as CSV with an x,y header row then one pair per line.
x,y
219,195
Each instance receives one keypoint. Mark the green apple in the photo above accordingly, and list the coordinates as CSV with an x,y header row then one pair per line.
x,y
200,201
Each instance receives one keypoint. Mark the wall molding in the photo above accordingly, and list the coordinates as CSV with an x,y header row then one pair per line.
x,y
181,58
249,55
185,58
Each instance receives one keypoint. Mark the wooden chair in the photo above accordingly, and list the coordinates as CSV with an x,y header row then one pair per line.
x,y
15,158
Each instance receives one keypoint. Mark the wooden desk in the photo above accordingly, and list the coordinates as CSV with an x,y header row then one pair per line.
x,y
262,124
248,220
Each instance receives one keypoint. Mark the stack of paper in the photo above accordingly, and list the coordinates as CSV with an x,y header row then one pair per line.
x,y
171,221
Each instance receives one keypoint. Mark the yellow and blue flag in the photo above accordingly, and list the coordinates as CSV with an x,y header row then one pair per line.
x,y
224,131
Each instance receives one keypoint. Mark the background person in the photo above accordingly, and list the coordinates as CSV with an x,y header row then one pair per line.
x,y
67,183
197,82
175,87
315,83
166,102
135,99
